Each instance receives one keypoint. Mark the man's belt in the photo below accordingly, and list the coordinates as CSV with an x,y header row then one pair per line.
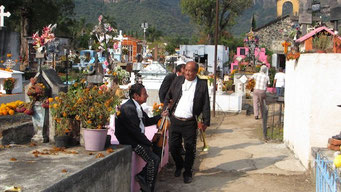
x,y
183,119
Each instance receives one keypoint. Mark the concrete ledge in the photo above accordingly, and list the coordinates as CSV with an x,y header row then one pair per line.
x,y
110,174
65,172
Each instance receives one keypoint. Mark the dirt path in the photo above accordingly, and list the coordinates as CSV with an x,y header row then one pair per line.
x,y
238,160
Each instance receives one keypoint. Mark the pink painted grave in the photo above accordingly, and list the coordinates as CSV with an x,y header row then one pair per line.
x,y
242,52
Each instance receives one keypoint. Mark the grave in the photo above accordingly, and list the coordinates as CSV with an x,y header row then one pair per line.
x,y
44,168
42,126
18,88
152,77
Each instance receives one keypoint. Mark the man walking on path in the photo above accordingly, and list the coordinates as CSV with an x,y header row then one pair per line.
x,y
190,96
262,80
279,82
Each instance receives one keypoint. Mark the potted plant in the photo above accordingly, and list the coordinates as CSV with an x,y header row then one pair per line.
x,y
94,105
9,84
322,42
63,113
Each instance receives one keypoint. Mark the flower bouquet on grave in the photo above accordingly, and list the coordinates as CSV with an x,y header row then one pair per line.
x,y
9,84
36,92
63,113
120,74
251,85
94,105
47,36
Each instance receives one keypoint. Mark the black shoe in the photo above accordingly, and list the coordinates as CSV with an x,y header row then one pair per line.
x,y
188,179
177,173
256,117
143,184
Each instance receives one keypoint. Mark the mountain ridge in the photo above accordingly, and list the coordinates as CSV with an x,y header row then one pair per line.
x,y
167,17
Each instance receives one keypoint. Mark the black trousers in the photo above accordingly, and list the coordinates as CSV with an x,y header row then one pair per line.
x,y
149,172
188,131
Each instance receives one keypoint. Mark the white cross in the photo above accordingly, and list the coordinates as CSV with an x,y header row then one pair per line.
x,y
120,38
2,15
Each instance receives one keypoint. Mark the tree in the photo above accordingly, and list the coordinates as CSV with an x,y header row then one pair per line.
x,y
153,34
253,22
174,43
202,12
28,16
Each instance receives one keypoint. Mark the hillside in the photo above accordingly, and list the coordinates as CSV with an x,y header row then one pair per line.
x,y
166,15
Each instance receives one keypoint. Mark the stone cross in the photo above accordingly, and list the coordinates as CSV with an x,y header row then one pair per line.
x,y
2,15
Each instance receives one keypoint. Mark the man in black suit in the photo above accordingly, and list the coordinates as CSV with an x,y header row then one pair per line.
x,y
190,97
129,130
167,81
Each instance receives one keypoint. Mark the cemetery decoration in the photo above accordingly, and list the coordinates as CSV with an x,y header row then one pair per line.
x,y
2,15
320,39
10,108
8,72
63,114
39,42
10,63
9,84
92,106
103,35
251,41
120,74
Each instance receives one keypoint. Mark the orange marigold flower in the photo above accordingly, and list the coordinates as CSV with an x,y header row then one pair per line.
x,y
89,121
64,114
55,105
50,100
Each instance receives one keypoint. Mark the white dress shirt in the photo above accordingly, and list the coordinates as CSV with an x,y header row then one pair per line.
x,y
184,108
140,115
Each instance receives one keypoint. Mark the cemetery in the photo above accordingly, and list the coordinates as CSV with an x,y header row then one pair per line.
x,y
58,104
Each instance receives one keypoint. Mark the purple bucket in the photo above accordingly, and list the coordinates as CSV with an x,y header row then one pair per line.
x,y
94,139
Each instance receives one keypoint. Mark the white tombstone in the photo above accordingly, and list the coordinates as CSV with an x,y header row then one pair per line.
x,y
18,88
220,87
118,46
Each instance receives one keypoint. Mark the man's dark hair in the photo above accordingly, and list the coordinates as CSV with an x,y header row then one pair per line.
x,y
179,67
136,88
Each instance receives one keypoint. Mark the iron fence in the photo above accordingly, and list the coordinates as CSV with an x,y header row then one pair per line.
x,y
273,117
327,177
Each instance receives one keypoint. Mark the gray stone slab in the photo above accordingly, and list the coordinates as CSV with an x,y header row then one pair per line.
x,y
83,172
20,134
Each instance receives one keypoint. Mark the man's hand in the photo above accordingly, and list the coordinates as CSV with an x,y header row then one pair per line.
x,y
165,113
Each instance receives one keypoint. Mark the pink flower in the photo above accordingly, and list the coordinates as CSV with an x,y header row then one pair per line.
x,y
100,18
106,63
103,87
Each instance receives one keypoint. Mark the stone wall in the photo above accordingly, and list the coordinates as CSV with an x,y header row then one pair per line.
x,y
272,34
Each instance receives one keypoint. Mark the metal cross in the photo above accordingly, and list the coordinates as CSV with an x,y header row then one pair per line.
x,y
2,15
